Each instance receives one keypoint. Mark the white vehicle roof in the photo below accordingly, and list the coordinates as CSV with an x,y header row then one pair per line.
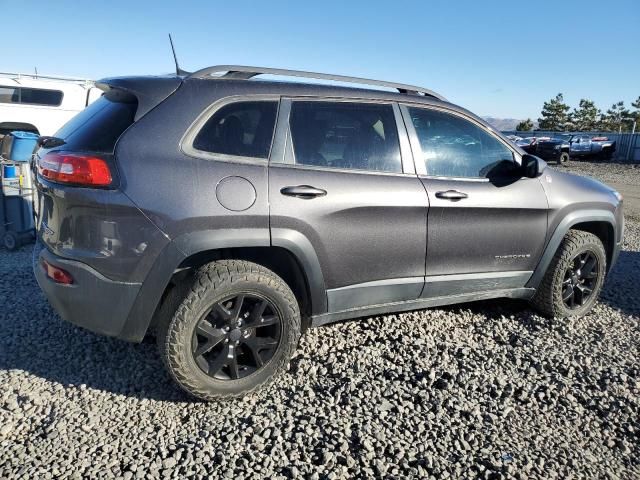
x,y
43,81
51,101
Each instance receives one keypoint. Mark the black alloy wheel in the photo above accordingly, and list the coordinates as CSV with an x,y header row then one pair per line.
x,y
580,280
237,337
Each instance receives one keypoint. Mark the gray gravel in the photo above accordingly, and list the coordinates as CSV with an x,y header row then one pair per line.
x,y
488,390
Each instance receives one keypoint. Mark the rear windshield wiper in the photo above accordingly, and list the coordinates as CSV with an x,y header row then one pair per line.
x,y
50,142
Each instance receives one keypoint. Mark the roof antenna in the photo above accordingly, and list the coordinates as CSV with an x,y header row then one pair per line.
x,y
179,71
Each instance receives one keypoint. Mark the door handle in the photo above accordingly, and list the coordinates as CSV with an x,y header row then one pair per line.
x,y
453,195
303,191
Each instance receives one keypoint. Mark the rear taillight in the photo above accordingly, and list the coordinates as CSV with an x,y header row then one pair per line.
x,y
56,274
75,168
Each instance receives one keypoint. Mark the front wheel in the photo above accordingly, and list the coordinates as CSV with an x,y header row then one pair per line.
x,y
564,158
235,330
574,278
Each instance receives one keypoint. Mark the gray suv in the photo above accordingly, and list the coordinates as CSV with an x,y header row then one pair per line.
x,y
227,214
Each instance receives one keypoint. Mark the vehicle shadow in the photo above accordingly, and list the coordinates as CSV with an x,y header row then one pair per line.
x,y
621,286
620,292
35,340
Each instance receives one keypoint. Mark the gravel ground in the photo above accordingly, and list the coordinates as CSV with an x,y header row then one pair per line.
x,y
488,390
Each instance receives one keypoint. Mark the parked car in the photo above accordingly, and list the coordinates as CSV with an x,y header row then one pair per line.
x,y
41,104
588,146
528,144
555,149
228,215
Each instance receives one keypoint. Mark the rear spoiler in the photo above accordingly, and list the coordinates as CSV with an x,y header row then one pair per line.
x,y
149,91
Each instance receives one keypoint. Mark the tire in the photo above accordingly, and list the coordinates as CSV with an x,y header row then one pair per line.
x,y
558,280
11,241
607,154
564,158
219,294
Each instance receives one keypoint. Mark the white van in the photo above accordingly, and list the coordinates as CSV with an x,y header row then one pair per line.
x,y
42,104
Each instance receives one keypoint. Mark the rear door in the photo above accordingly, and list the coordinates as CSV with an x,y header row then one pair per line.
x,y
344,185
486,226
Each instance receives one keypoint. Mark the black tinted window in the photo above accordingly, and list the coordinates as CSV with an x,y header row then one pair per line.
x,y
37,96
31,96
345,135
98,127
455,147
243,129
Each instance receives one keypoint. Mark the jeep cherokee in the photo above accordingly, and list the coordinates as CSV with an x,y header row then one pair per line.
x,y
226,215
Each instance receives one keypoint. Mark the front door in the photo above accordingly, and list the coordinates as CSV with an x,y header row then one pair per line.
x,y
486,225
581,145
342,189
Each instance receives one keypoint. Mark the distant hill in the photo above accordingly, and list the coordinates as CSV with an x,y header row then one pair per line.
x,y
504,123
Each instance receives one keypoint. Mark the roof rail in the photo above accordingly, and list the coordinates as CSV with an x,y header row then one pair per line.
x,y
241,72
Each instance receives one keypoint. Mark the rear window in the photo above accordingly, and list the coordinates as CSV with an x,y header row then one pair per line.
x,y
98,127
243,129
31,96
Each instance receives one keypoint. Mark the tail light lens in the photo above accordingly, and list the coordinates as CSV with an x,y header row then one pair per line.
x,y
56,274
76,169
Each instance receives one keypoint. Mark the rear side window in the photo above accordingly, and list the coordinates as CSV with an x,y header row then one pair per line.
x,y
98,127
345,135
455,147
31,96
243,129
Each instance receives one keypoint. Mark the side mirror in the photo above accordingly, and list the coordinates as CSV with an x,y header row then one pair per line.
x,y
532,166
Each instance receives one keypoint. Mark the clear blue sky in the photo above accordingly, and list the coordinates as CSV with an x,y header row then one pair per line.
x,y
494,57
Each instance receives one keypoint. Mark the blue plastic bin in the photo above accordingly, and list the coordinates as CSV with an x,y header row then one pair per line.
x,y
22,146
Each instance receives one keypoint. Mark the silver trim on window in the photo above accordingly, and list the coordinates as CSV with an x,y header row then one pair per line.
x,y
186,142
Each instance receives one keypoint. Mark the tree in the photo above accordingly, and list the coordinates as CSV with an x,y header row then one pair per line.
x,y
636,113
525,125
585,117
615,118
554,115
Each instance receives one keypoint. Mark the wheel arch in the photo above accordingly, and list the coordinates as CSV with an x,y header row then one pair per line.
x,y
287,256
599,222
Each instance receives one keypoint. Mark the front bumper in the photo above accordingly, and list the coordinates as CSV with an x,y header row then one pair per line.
x,y
93,301
549,155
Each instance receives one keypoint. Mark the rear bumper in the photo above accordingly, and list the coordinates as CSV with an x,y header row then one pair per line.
x,y
93,301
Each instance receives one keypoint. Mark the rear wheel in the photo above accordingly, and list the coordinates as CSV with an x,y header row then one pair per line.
x,y
235,330
574,279
11,241
607,154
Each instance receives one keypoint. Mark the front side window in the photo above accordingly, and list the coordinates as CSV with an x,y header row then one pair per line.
x,y
243,129
345,135
455,147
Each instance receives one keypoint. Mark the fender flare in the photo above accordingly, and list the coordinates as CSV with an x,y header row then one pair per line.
x,y
182,247
302,249
573,218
